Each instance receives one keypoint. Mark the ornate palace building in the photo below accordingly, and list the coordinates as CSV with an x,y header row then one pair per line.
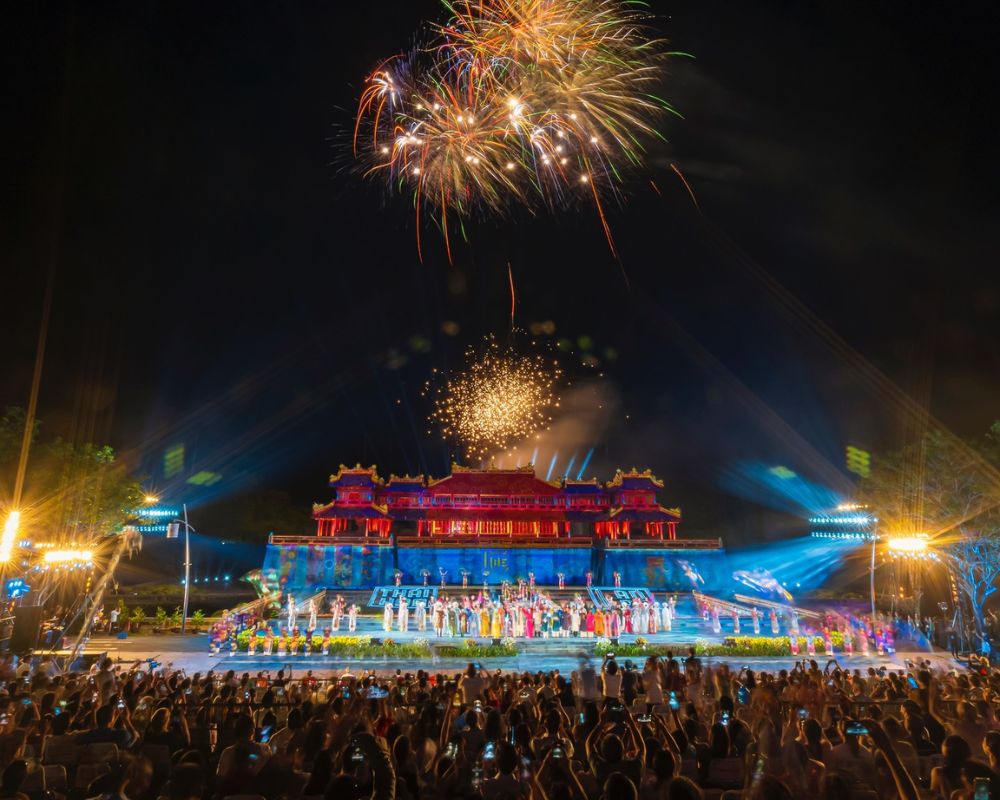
x,y
495,503
495,524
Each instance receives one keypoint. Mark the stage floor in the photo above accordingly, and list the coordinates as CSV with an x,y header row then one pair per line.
x,y
565,654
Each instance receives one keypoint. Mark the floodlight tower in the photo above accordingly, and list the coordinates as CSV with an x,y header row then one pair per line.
x,y
849,522
909,555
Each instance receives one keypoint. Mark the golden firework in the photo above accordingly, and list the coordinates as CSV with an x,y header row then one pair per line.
x,y
499,398
515,103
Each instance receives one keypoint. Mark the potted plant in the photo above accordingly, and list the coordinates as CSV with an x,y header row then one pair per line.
x,y
138,617
176,619
122,614
198,621
161,619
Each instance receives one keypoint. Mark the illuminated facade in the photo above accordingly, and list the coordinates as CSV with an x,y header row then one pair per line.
x,y
495,503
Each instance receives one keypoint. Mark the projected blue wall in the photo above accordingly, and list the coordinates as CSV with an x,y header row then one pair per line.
x,y
301,567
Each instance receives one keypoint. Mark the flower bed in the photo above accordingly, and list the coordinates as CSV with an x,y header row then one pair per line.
x,y
470,648
760,646
343,646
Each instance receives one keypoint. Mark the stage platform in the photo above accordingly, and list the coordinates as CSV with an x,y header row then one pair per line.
x,y
191,653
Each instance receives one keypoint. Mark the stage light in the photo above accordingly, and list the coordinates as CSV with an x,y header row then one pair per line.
x,y
68,556
913,545
9,536
151,498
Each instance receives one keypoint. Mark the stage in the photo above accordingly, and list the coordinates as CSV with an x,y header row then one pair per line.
x,y
191,653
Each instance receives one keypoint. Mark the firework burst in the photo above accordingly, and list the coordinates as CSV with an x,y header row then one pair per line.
x,y
499,398
515,103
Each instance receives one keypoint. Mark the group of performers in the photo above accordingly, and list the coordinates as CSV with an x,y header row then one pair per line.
x,y
524,612
527,615
340,611
877,633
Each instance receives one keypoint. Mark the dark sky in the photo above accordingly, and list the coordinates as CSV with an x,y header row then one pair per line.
x,y
222,280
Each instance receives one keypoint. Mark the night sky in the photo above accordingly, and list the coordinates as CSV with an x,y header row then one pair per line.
x,y
222,278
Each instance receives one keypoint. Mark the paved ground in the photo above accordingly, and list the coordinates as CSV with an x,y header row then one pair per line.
x,y
192,654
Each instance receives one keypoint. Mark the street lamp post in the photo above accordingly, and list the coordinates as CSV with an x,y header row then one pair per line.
x,y
187,564
871,569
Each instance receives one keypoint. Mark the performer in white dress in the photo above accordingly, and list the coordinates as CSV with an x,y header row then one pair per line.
x,y
352,618
403,616
755,616
337,609
387,616
312,614
291,611
421,615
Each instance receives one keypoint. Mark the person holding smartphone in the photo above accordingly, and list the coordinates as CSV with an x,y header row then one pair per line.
x,y
508,781
473,684
849,757
612,679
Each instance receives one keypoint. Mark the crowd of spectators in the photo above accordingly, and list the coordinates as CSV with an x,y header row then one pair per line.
x,y
668,729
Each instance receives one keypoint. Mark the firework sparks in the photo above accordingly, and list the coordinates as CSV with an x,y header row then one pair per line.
x,y
515,103
500,397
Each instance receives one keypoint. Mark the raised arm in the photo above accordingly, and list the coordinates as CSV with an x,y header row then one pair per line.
x,y
905,786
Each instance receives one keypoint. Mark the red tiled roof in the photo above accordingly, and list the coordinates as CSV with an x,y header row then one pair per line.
x,y
644,514
504,482
333,510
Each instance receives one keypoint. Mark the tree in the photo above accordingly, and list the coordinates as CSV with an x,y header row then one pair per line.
x,y
950,490
72,492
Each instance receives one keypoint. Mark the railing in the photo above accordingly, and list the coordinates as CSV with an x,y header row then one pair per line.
x,y
337,538
497,539
665,544
476,539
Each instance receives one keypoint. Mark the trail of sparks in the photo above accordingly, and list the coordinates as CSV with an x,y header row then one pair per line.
x,y
513,297
687,186
515,103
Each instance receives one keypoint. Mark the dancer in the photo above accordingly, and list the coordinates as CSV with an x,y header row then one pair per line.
x,y
291,611
403,616
312,615
387,616
438,617
421,615
352,618
755,616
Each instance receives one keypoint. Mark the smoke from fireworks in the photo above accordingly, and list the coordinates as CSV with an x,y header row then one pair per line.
x,y
529,103
501,397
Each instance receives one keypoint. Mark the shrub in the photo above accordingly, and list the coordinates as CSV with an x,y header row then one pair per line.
x,y
470,648
161,617
352,647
